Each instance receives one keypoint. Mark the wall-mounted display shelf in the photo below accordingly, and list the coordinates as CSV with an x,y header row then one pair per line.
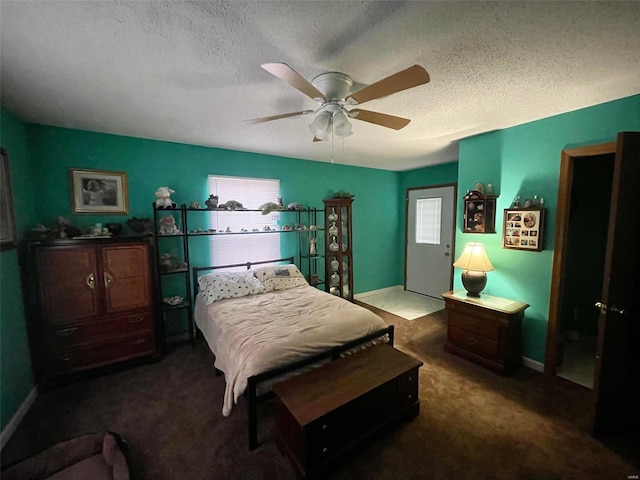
x,y
479,213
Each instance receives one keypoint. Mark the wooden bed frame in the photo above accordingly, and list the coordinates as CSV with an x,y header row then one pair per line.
x,y
253,381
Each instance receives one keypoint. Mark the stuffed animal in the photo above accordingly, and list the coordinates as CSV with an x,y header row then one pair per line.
x,y
168,226
269,207
233,205
211,202
163,198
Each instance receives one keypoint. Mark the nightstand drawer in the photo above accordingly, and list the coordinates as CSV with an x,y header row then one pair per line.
x,y
473,311
476,343
475,325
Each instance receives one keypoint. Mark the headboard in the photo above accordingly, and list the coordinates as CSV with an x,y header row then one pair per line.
x,y
197,271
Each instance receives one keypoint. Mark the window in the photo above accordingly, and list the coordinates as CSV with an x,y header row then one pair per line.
x,y
251,192
428,220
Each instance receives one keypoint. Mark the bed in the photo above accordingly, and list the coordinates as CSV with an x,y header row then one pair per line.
x,y
267,323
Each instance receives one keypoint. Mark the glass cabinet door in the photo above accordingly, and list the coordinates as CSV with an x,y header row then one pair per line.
x,y
338,242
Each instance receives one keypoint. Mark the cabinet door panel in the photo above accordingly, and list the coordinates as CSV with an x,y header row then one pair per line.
x,y
127,279
68,283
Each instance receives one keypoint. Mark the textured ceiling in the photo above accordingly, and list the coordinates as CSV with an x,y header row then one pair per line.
x,y
190,72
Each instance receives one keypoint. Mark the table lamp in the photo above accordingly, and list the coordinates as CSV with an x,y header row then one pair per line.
x,y
474,263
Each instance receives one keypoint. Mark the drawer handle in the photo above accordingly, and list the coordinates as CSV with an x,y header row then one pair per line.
x,y
138,341
66,332
324,427
325,450
108,279
136,320
474,325
91,281
410,397
65,358
472,341
410,378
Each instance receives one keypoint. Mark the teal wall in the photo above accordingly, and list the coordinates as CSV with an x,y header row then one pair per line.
x,y
16,380
150,164
525,160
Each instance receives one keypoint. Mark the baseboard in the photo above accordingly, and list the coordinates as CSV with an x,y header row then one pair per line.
x,y
11,427
533,364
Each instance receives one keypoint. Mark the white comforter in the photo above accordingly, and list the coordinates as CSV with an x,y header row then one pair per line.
x,y
252,334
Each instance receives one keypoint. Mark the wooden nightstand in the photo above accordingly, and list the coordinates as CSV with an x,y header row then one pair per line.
x,y
485,330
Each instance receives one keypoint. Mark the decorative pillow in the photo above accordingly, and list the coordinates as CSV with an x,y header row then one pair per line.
x,y
280,277
218,285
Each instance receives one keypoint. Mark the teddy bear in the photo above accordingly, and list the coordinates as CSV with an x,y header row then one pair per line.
x,y
168,226
163,198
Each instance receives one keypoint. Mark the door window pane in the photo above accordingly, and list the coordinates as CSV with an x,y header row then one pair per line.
x,y
428,220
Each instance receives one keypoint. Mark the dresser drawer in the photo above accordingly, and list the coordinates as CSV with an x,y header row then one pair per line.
x,y
478,326
473,342
100,354
62,338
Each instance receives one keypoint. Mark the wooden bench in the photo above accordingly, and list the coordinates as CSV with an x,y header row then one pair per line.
x,y
324,412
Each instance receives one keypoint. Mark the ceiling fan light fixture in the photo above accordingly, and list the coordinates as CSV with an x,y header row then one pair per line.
x,y
321,125
341,124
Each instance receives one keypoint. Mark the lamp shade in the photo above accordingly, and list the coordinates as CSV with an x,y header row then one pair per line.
x,y
474,258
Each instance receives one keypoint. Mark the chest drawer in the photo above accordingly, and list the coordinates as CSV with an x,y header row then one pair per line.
x,y
407,387
62,338
479,326
333,432
101,354
474,342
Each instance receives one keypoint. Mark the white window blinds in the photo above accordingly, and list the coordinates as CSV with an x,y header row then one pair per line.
x,y
428,220
251,192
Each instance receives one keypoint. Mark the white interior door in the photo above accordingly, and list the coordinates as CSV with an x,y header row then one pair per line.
x,y
430,217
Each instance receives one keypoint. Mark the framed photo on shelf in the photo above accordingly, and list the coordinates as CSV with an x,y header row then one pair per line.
x,y
7,222
99,191
523,229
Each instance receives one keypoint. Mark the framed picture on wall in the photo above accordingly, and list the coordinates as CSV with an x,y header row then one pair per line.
x,y
99,191
523,229
7,219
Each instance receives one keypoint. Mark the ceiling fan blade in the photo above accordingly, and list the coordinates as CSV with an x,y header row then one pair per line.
x,y
293,78
276,117
382,119
409,78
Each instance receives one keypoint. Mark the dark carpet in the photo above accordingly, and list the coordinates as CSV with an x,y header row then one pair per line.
x,y
473,424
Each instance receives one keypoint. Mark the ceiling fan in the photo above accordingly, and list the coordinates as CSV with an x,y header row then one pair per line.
x,y
332,91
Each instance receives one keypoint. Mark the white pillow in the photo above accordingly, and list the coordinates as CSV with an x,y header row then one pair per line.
x,y
280,277
218,285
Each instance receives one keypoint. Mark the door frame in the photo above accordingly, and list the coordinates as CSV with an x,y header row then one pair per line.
x,y
568,157
454,223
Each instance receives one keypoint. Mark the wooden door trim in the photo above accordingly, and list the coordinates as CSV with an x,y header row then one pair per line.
x,y
406,222
562,224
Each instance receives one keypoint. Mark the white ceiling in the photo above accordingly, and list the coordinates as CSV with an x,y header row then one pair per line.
x,y
189,72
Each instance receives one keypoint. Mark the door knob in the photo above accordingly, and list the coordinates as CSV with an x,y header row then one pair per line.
x,y
603,309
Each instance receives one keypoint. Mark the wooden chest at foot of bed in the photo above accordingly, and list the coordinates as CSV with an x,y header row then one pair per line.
x,y
328,410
